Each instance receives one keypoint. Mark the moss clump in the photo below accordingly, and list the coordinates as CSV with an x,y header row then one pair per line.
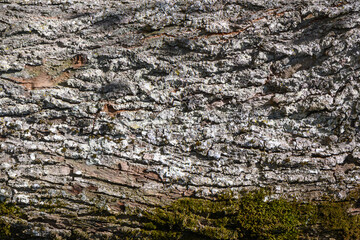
x,y
51,206
7,210
78,234
249,217
334,217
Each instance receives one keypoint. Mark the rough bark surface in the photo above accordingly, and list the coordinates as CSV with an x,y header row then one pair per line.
x,y
118,104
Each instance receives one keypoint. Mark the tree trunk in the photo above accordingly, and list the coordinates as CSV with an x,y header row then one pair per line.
x,y
110,106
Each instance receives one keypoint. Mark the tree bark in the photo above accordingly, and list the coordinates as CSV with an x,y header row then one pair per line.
x,y
114,105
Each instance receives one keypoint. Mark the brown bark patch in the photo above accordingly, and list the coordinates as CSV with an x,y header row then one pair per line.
x,y
47,75
79,61
92,188
354,211
118,206
76,189
108,108
40,79
111,111
123,166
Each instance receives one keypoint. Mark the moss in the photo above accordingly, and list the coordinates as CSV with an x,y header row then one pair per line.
x,y
333,217
249,216
111,219
99,211
11,211
51,206
42,121
79,235
110,126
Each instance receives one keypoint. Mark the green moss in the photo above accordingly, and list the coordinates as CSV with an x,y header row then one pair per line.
x,y
78,234
334,217
225,218
52,206
250,216
99,211
11,211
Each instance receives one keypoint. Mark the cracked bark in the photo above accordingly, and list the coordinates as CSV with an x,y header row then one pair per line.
x,y
122,104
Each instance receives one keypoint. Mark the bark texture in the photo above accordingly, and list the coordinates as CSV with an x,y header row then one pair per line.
x,y
112,105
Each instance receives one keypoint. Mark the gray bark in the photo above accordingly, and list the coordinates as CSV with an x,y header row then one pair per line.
x,y
123,104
